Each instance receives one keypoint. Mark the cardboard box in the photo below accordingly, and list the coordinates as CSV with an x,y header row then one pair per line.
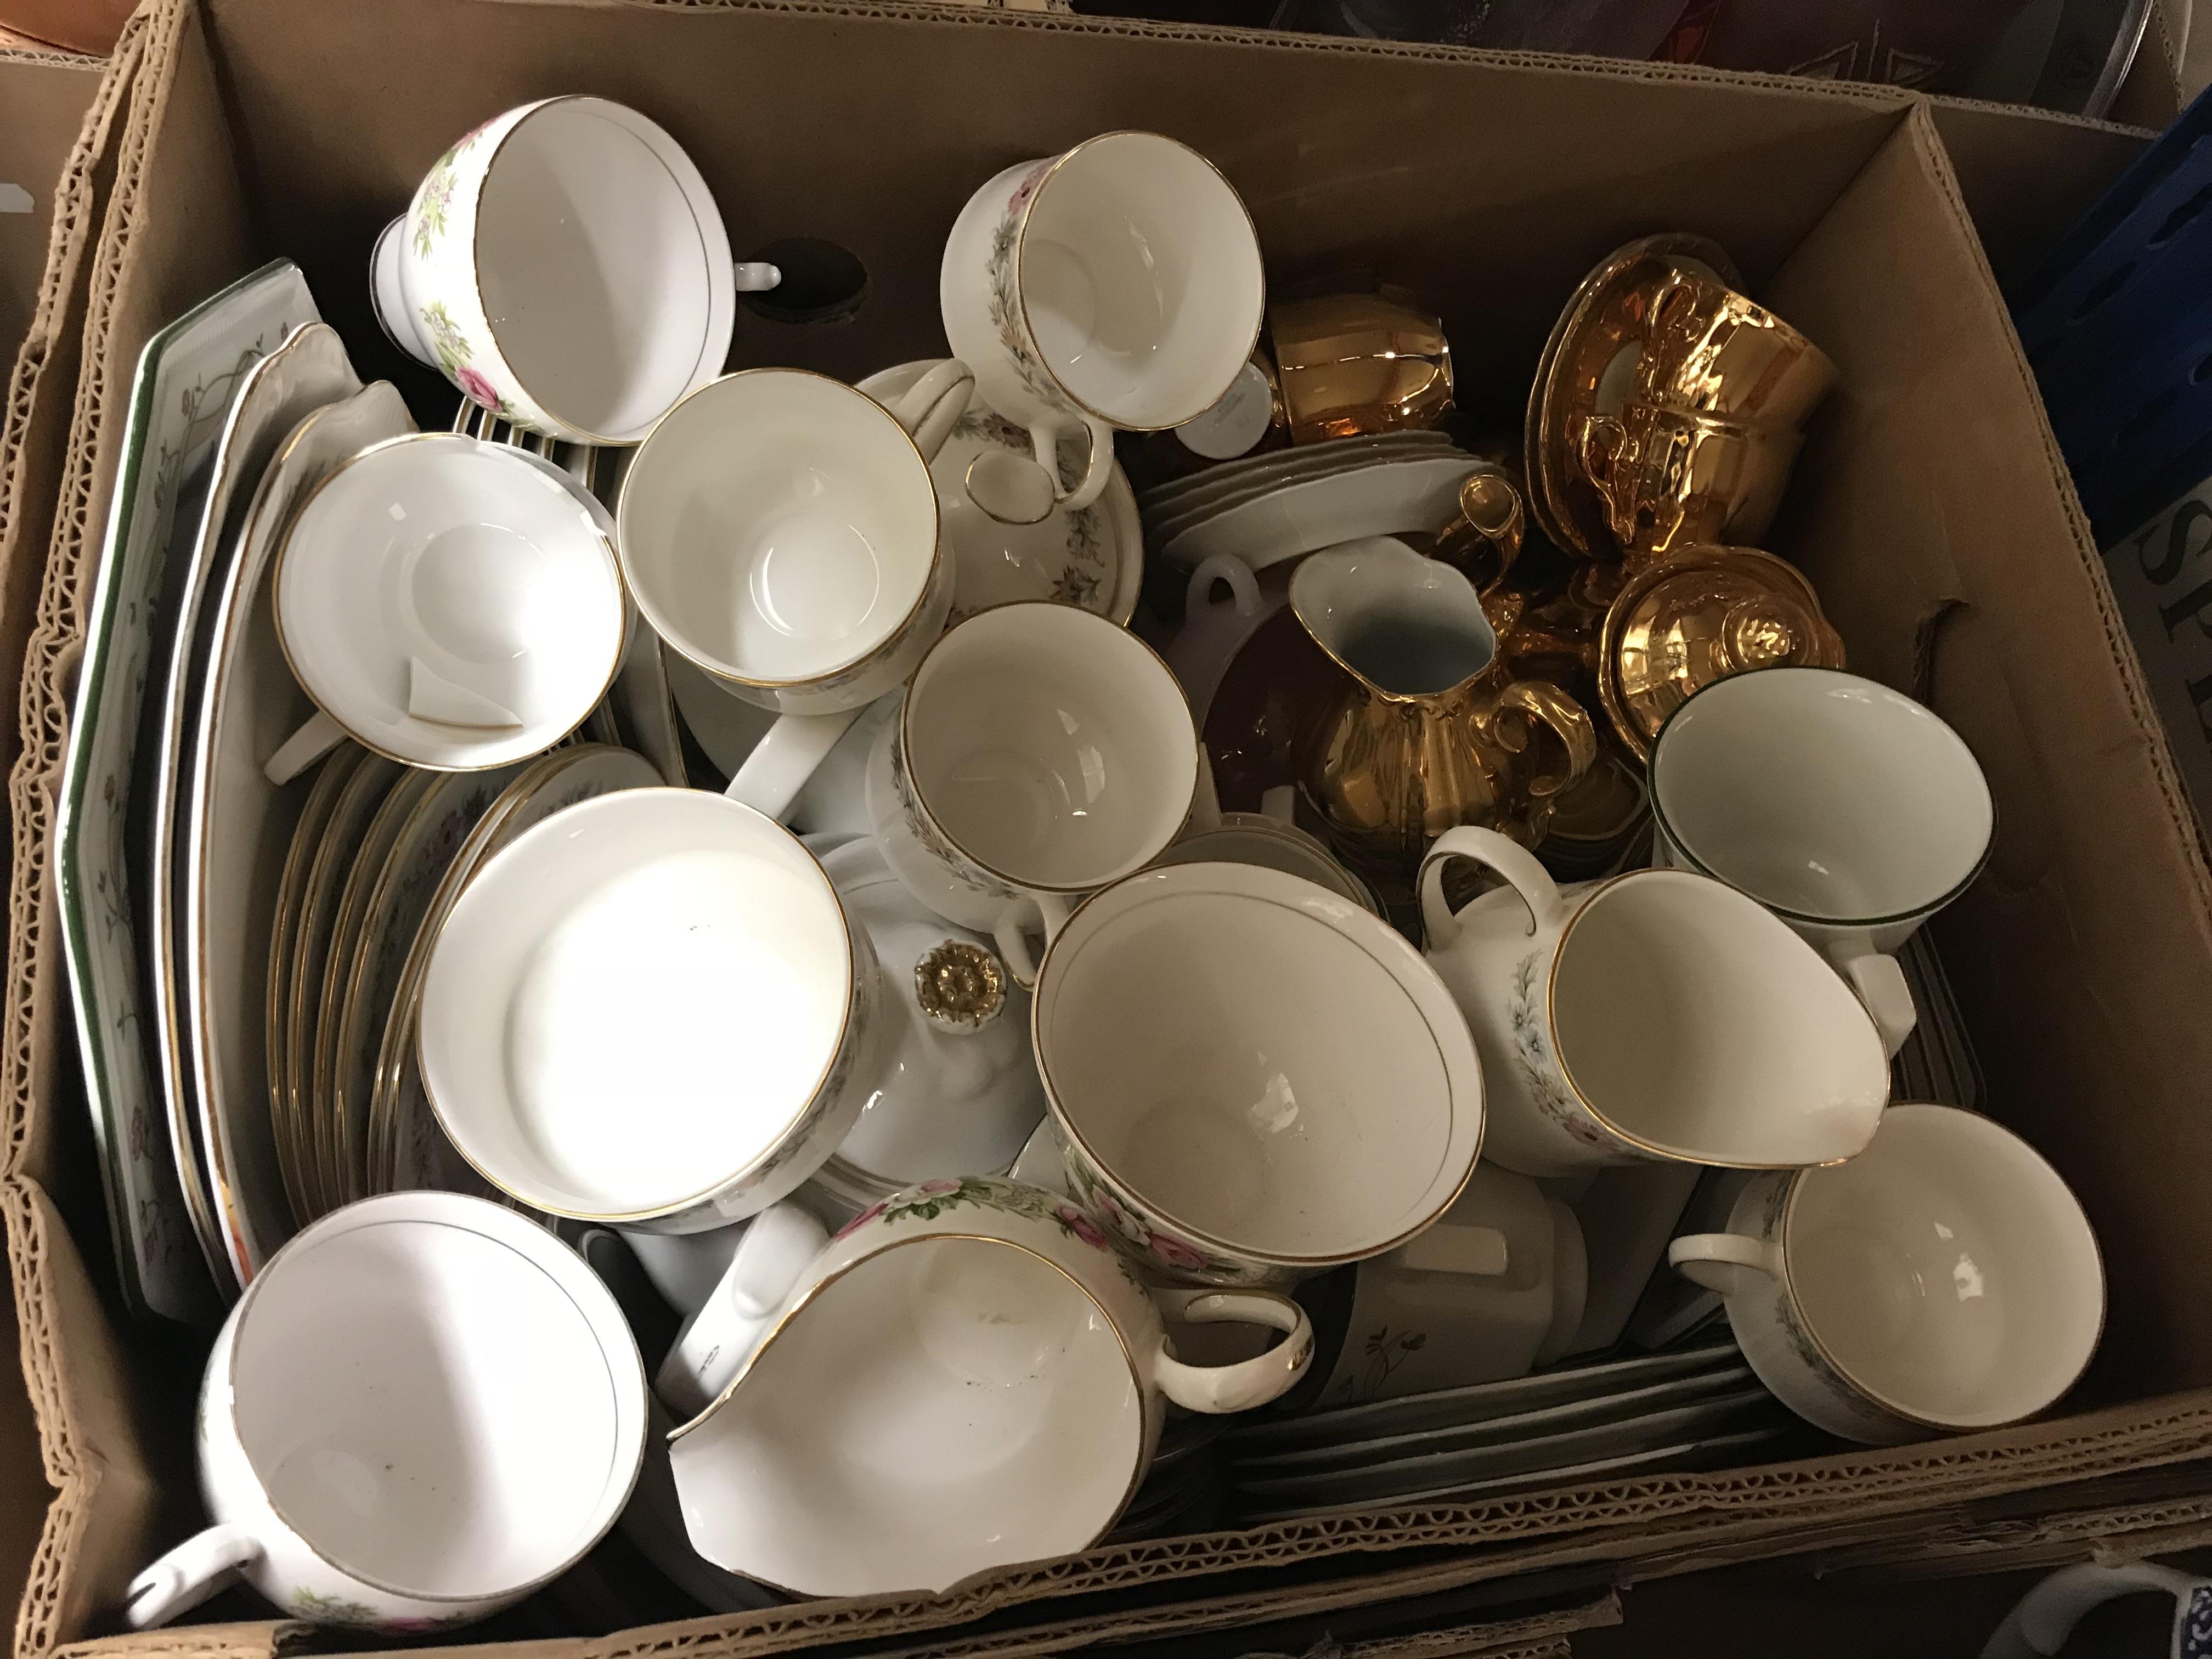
x,y
1931,512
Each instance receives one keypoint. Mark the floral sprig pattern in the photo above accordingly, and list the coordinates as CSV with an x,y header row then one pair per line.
x,y
455,354
1538,1068
1381,1352
434,202
933,1197
1004,306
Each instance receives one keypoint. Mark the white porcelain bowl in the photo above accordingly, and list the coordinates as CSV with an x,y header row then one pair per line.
x,y
650,1008
1255,1076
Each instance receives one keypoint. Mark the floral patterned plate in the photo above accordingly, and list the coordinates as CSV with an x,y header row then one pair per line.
x,y
169,1248
1093,559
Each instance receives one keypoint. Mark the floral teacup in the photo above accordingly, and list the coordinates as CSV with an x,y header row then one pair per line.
x,y
565,266
968,1375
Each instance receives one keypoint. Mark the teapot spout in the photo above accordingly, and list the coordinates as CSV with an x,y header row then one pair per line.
x,y
1405,625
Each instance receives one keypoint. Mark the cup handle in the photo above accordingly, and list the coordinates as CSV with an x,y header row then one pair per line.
x,y
932,406
304,748
1719,1261
1548,706
715,1341
1479,1252
1881,986
1508,858
1243,585
784,759
1046,440
189,1574
1013,943
1248,1382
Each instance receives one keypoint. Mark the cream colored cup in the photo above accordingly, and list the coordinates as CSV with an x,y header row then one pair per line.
x,y
1116,285
779,530
1847,808
1945,1278
1040,753
422,1408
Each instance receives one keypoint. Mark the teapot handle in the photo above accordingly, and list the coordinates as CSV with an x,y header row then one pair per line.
x,y
1548,706
1439,926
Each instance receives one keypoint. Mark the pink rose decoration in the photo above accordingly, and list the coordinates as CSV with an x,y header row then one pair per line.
x,y
864,1218
1176,1253
1081,1226
940,1186
474,386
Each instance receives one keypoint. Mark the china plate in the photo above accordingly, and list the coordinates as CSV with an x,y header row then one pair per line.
x,y
1164,524
1718,1452
1750,1409
1384,498
168,1247
1479,1402
1278,465
330,779
1093,559
219,840
407,1149
235,826
360,801
342,1145
415,870
1592,1412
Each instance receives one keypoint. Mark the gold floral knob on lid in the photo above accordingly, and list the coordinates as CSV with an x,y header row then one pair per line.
x,y
962,987
1701,615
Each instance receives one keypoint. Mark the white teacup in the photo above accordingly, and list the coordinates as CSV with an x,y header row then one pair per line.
x,y
1847,808
651,1010
1118,285
422,1408
1660,1014
966,1376
1253,1079
447,602
564,265
1945,1278
1040,753
781,530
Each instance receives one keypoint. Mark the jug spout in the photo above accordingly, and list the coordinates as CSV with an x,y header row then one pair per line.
x,y
1407,627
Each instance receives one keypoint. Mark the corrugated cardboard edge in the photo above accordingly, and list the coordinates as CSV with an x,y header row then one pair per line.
x,y
1748,1512
42,381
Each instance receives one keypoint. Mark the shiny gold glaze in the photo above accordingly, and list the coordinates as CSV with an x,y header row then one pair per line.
x,y
1700,615
1351,364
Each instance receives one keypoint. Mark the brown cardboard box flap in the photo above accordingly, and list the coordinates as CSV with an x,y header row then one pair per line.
x,y
1930,490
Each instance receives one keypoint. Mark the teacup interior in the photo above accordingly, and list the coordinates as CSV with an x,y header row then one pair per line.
x,y
1698,1025
1051,745
1947,1270
431,1410
1250,1063
447,600
778,526
634,1001
1140,277
944,1407
1825,796
602,265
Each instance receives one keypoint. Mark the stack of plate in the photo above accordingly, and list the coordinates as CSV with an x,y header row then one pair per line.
x,y
1697,1409
1266,509
246,957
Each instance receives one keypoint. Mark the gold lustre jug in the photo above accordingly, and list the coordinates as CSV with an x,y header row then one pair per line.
x,y
1420,727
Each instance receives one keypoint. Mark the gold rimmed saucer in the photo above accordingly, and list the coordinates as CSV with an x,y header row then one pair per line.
x,y
1587,363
